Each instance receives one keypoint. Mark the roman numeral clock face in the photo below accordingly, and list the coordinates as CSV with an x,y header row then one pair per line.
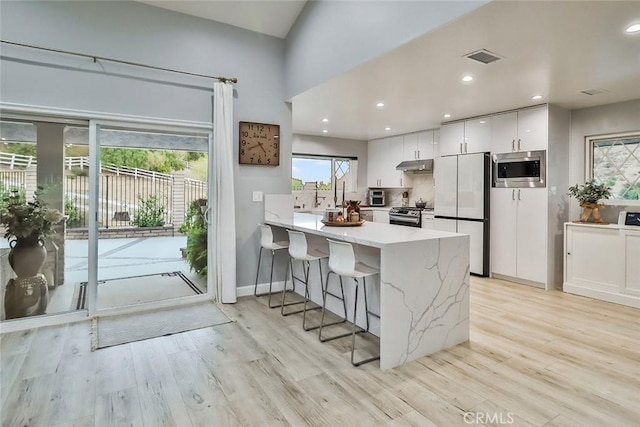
x,y
259,144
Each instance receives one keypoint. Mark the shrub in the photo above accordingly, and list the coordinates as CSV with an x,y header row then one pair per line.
x,y
195,227
151,212
72,212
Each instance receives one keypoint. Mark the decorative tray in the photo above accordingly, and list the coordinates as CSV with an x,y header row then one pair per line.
x,y
343,223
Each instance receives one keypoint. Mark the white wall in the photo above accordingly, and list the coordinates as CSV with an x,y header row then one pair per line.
x,y
136,32
604,119
331,37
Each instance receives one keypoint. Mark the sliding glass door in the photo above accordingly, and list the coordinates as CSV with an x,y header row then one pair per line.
x,y
149,237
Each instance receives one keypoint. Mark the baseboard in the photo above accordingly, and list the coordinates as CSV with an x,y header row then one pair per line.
x,y
616,298
518,280
244,291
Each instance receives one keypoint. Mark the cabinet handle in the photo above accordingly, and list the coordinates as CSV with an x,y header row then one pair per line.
x,y
461,148
513,194
519,195
400,182
418,154
465,148
518,144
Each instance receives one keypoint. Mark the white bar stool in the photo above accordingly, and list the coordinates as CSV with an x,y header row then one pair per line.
x,y
267,242
299,251
342,261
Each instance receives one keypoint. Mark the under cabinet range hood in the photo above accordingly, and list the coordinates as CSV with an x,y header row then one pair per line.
x,y
416,166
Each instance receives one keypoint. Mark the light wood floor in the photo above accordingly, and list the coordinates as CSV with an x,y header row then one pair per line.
x,y
535,358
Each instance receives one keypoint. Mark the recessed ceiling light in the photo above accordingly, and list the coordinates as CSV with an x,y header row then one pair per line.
x,y
446,116
467,78
536,97
482,122
632,28
325,120
4,139
324,131
387,128
380,104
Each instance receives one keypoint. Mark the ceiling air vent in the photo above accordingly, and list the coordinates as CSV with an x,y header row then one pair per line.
x,y
593,91
484,56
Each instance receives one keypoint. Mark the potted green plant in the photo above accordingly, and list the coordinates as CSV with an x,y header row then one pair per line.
x,y
27,225
589,194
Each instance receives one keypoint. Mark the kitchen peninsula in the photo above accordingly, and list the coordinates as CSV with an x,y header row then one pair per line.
x,y
423,290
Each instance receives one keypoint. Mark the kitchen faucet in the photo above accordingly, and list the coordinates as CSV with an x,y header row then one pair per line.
x,y
316,203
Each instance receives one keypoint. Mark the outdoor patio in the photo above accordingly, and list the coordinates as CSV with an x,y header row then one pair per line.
x,y
139,260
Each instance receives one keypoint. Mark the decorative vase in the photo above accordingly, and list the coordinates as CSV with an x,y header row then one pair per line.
x,y
27,294
590,209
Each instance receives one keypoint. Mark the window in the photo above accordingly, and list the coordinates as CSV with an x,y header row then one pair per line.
x,y
615,161
307,170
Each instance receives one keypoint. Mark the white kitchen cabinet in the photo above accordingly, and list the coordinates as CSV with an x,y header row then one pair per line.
x,y
503,231
531,237
380,215
523,130
428,220
477,135
419,146
451,138
470,136
383,156
519,234
601,261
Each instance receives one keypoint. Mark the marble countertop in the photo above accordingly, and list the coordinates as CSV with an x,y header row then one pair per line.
x,y
372,234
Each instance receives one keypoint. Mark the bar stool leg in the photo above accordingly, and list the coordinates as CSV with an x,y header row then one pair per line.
x,y
307,297
353,337
293,279
255,288
344,319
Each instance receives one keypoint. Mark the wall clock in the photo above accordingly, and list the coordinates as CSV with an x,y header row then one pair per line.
x,y
259,144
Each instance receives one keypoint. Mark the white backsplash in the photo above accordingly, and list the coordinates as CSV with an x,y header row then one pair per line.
x,y
422,189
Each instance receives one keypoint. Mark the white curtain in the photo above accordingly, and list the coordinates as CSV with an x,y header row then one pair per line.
x,y
224,210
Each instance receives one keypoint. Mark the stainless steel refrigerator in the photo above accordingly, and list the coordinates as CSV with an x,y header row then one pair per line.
x,y
462,188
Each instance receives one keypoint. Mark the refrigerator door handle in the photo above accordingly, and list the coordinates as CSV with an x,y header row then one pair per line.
x,y
513,194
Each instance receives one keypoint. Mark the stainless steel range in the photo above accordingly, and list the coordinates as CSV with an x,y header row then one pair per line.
x,y
411,217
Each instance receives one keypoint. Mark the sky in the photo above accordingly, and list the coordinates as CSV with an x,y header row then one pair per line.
x,y
311,169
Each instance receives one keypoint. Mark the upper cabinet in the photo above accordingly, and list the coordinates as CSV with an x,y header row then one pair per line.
x,y
477,135
383,157
418,146
470,136
524,130
451,138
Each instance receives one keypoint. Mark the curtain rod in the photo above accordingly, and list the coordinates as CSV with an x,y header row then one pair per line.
x,y
135,64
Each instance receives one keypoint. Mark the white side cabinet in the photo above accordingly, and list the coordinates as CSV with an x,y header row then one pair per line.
x,y
518,234
601,261
523,130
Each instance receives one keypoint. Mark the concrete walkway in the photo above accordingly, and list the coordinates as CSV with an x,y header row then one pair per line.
x,y
119,258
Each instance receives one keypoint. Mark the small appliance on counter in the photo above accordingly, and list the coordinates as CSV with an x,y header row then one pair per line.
x,y
629,219
377,198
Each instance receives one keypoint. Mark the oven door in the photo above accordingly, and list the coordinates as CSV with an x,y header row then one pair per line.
x,y
525,169
410,221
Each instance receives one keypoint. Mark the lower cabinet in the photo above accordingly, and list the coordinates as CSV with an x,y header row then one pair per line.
x,y
601,261
381,216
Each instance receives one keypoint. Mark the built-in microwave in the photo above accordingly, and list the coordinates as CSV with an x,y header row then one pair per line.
x,y
522,169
